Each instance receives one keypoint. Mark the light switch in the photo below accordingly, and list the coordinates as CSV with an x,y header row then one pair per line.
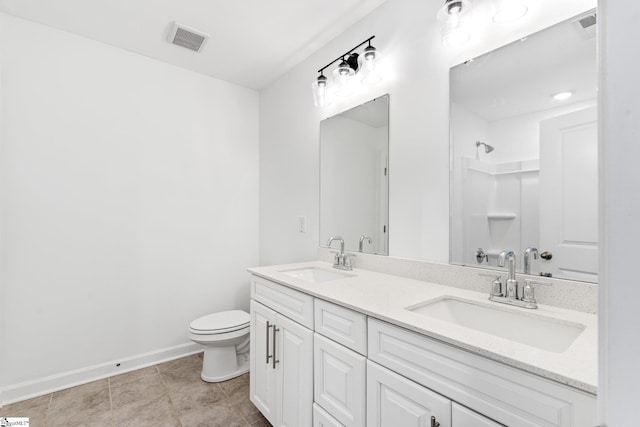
x,y
302,224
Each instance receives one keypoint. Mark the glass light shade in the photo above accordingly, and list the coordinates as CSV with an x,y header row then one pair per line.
x,y
454,19
369,66
342,76
506,11
320,89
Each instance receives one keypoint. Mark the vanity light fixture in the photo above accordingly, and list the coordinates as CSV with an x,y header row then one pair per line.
x,y
561,96
507,11
343,75
454,19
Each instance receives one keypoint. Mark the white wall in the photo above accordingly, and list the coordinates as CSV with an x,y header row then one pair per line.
x,y
619,126
130,201
417,80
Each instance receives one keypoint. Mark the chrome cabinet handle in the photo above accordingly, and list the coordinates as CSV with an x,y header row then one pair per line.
x,y
267,341
434,423
274,347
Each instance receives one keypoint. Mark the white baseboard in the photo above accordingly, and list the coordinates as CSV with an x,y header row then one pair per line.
x,y
41,386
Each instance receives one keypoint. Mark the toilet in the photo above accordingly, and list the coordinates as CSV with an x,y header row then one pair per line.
x,y
225,337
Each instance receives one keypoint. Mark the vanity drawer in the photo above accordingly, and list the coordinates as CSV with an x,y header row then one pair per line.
x,y
342,325
295,305
507,395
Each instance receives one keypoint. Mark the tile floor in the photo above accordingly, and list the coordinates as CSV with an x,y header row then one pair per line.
x,y
169,394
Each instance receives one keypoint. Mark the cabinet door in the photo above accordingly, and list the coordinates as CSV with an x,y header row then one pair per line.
x,y
294,353
262,385
394,401
463,417
339,381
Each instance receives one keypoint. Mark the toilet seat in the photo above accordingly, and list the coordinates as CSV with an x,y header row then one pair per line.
x,y
220,323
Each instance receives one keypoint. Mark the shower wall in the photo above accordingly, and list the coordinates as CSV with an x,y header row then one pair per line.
x,y
495,203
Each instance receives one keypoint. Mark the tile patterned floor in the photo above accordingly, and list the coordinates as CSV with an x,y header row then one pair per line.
x,y
170,394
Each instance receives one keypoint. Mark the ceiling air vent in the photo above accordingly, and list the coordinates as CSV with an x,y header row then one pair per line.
x,y
187,37
586,26
588,21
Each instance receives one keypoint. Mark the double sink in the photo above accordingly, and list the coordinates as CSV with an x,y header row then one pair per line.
x,y
517,325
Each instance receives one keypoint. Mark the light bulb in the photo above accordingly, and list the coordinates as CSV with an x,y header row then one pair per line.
x,y
370,53
454,8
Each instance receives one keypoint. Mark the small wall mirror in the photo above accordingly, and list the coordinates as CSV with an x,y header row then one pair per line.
x,y
354,177
525,156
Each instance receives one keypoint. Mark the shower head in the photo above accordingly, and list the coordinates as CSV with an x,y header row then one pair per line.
x,y
487,148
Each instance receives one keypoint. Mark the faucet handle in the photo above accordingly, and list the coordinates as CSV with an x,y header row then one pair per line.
x,y
496,285
336,257
347,261
528,295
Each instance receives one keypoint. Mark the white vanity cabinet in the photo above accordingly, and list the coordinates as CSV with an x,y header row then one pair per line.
x,y
509,396
281,380
339,379
337,367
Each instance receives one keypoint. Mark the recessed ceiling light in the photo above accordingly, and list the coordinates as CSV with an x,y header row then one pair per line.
x,y
561,96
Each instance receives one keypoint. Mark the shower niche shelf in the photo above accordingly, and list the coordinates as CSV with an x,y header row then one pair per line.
x,y
501,216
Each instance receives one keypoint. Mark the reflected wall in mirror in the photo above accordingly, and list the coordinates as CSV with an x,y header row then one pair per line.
x,y
354,178
524,162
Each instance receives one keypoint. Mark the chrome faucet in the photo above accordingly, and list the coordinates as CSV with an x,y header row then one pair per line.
x,y
341,260
512,294
511,290
362,239
527,259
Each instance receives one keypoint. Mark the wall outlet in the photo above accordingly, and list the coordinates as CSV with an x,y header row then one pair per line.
x,y
302,224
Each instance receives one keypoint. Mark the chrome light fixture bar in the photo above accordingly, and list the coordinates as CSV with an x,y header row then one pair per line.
x,y
349,66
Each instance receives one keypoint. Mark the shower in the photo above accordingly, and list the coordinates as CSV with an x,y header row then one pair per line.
x,y
487,148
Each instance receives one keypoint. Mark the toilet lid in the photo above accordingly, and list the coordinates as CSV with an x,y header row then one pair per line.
x,y
225,321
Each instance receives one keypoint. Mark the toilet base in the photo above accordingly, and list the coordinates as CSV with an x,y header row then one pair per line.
x,y
222,363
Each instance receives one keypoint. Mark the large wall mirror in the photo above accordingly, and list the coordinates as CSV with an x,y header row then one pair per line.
x,y
354,177
524,153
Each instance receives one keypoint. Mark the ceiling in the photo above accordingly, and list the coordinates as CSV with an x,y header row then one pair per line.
x,y
252,41
515,79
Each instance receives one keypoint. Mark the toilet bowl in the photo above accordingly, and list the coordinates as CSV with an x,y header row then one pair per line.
x,y
225,337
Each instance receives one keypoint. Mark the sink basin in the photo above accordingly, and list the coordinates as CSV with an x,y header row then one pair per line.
x,y
313,274
526,328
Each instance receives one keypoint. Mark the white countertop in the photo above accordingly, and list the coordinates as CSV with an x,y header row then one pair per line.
x,y
385,297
